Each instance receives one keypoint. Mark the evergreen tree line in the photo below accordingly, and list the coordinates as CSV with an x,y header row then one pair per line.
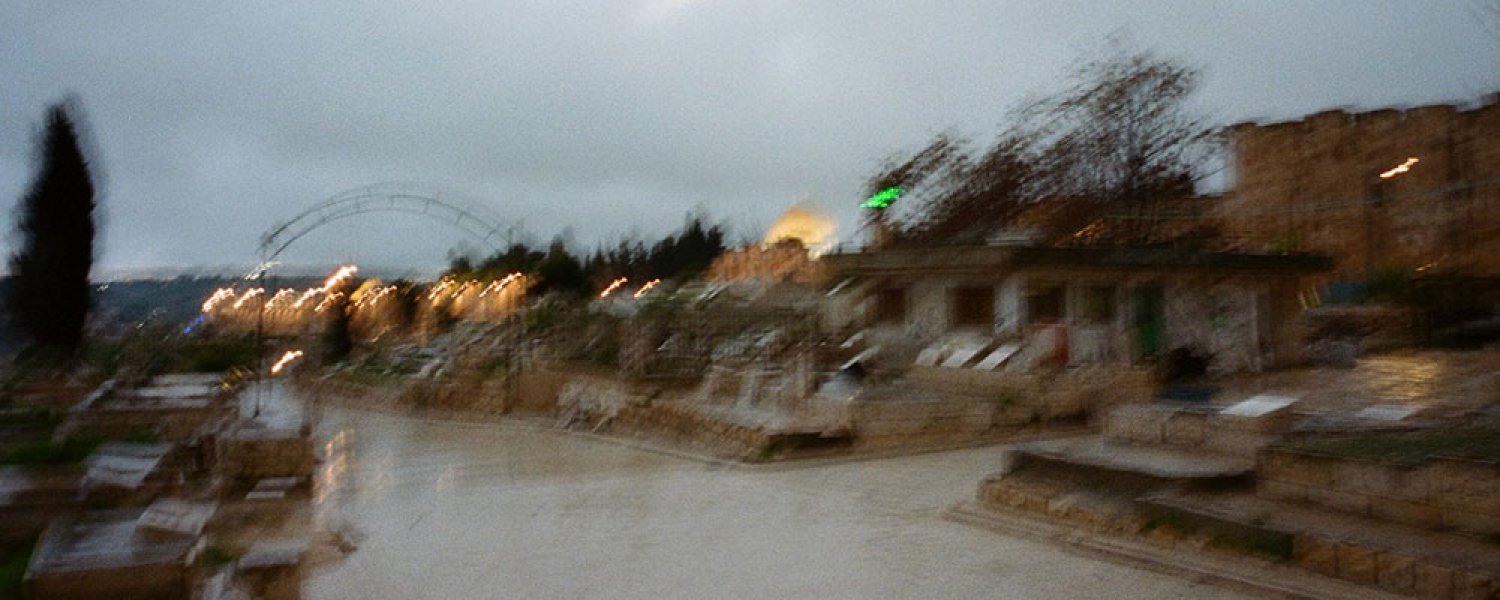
x,y
683,254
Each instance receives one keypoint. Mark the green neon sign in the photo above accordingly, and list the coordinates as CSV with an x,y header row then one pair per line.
x,y
883,198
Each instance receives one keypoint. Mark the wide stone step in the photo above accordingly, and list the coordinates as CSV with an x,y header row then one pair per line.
x,y
1155,462
1400,558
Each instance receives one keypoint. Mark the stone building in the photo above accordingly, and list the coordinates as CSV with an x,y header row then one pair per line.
x,y
1415,190
1079,306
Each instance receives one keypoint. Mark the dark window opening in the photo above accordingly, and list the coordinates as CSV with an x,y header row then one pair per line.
x,y
1099,304
1044,304
890,306
973,306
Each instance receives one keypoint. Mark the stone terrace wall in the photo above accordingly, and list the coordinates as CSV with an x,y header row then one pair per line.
x,y
166,423
631,408
1448,493
936,404
135,582
1205,430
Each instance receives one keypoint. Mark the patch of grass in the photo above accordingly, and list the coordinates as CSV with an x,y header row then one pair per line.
x,y
1279,548
1412,447
66,452
39,418
217,355
1171,521
216,556
13,561
145,436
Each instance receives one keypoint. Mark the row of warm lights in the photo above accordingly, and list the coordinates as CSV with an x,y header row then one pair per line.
x,y
1401,168
499,285
616,284
646,288
221,295
371,298
285,359
613,285
218,296
251,293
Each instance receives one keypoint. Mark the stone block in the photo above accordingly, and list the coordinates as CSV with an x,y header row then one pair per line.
x,y
1468,585
1432,581
1185,429
1319,555
1280,490
1395,572
1339,499
1315,471
1356,563
1236,442
1402,511
1364,477
1482,523
1476,479
1137,424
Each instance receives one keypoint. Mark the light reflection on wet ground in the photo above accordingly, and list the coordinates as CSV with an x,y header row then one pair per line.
x,y
450,510
1450,382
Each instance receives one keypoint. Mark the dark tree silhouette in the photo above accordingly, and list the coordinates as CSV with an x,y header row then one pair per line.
x,y
1122,133
49,294
338,337
1120,136
561,272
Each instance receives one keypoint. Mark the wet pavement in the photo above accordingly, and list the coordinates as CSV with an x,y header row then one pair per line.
x,y
456,510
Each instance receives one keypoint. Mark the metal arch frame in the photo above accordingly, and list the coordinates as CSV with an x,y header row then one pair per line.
x,y
387,197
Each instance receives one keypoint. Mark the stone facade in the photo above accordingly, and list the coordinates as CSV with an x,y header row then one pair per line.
x,y
1244,323
1314,185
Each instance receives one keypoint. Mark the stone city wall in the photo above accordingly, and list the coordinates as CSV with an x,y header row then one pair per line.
x,y
1313,185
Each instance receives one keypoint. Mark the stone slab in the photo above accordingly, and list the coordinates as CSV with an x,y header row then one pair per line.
x,y
1387,413
962,355
1259,406
179,517
997,357
929,357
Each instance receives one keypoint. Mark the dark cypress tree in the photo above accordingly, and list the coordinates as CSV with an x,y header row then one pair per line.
x,y
49,294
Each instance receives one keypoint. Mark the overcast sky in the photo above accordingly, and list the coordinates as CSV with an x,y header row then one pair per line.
x,y
215,119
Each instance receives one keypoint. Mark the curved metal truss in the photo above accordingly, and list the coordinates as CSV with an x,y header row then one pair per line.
x,y
390,197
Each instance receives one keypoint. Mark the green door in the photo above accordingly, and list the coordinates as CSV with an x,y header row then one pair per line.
x,y
1150,319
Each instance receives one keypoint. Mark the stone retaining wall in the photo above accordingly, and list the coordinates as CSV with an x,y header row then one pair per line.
x,y
164,423
1201,429
1392,569
1445,492
683,425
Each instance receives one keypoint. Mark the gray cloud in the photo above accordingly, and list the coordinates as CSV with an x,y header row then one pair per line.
x,y
216,119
